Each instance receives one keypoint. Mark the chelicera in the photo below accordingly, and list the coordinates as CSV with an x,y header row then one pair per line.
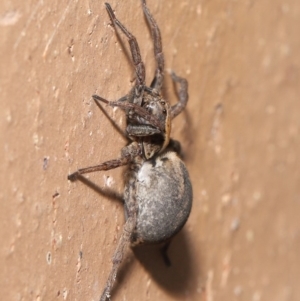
x,y
158,191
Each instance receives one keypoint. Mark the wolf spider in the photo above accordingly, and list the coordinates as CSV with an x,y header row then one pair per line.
x,y
158,191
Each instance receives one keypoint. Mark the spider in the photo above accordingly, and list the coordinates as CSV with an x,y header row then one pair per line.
x,y
158,191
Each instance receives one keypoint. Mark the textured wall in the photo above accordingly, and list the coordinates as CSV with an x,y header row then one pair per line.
x,y
240,136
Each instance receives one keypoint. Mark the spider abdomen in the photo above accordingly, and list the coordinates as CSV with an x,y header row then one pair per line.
x,y
164,198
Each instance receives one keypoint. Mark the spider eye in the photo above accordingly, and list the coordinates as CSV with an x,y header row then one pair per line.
x,y
164,111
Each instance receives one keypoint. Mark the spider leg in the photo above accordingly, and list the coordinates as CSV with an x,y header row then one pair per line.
x,y
182,94
137,111
134,47
124,160
124,240
122,246
113,123
128,154
159,56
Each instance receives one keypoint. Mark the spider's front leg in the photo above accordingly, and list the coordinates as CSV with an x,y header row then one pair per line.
x,y
159,56
137,111
134,47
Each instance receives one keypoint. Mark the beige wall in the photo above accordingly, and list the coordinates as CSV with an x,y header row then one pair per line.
x,y
240,137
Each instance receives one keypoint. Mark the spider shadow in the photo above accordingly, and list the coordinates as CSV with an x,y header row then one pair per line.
x,y
109,193
176,277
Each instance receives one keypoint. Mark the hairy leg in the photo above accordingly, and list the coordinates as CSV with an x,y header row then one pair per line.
x,y
124,160
182,94
134,47
135,109
124,240
159,56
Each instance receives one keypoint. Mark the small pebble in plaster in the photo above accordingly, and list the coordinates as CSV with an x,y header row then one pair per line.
x,y
149,281
12,248
78,265
235,224
285,8
109,181
235,176
18,220
209,286
45,162
49,258
266,62
270,110
237,290
8,116
256,296
65,293
226,199
226,269
216,128
250,236
57,241
257,195
199,10
35,138
10,18
285,50
20,197
55,195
